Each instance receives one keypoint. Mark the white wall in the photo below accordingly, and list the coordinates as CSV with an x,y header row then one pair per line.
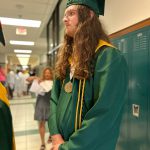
x,y
3,58
43,59
120,14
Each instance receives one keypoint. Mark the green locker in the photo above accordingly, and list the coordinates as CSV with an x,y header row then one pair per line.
x,y
122,44
138,91
135,128
149,94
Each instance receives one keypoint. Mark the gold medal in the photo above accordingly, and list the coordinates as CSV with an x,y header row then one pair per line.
x,y
68,87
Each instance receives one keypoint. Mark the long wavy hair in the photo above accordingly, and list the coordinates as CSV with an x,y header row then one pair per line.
x,y
81,48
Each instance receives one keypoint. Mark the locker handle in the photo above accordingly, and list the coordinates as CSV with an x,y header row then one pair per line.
x,y
135,110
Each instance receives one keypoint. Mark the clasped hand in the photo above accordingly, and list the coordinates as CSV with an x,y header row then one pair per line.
x,y
57,140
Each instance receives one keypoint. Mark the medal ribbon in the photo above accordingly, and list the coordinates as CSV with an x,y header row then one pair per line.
x,y
80,119
76,120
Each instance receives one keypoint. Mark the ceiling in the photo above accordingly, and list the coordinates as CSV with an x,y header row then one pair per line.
x,y
26,9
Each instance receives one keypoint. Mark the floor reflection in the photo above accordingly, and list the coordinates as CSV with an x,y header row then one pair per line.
x,y
26,129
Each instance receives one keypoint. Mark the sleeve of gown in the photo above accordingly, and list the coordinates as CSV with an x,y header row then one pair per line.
x,y
5,127
53,107
100,126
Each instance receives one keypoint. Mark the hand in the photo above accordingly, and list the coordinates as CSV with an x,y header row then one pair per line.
x,y
30,79
55,147
39,80
57,139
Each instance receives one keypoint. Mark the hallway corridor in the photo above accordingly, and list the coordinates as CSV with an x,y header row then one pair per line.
x,y
26,129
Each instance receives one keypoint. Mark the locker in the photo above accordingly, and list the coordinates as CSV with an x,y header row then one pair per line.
x,y
138,91
149,93
123,45
135,127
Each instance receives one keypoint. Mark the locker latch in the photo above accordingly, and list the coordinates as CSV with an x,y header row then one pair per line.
x,y
135,110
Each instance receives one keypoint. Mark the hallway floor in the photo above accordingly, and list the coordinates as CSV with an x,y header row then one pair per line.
x,y
25,127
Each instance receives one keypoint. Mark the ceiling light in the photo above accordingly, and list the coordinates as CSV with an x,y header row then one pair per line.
x,y
20,22
21,42
23,55
22,51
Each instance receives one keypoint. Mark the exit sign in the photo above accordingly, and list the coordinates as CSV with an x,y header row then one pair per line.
x,y
21,31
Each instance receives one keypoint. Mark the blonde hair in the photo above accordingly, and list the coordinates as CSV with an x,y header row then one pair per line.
x,y
43,73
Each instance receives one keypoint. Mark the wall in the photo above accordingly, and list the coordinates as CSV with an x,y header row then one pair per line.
x,y
120,14
43,59
3,58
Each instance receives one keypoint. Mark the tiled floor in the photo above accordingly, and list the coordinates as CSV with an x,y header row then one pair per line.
x,y
25,128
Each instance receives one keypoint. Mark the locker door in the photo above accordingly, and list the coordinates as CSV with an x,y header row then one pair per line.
x,y
138,92
149,93
124,46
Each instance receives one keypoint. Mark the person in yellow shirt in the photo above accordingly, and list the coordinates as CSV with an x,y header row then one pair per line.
x,y
7,141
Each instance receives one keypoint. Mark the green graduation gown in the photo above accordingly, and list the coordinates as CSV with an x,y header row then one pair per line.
x,y
7,141
89,117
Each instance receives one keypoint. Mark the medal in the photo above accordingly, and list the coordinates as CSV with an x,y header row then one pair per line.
x,y
68,87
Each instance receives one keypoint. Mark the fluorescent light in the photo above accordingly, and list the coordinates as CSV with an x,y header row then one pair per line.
x,y
22,51
21,42
20,22
23,55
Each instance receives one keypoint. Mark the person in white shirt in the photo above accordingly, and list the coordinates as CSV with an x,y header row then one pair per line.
x,y
25,83
11,83
18,83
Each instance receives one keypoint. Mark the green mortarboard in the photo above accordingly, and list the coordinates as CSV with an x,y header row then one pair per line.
x,y
2,40
96,5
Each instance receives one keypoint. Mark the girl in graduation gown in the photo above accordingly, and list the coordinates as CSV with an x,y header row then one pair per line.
x,y
7,140
89,91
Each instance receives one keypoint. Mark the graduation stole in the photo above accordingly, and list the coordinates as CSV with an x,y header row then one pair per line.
x,y
78,118
4,99
3,94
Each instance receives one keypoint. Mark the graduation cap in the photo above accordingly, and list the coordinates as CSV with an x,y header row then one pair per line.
x,y
96,5
2,40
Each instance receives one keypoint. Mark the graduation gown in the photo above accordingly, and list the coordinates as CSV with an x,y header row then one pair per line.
x,y
7,141
89,117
